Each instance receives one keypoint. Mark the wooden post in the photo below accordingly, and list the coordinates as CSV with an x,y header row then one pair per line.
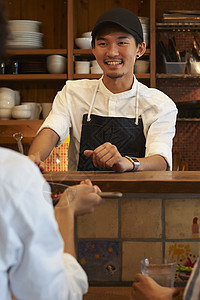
x,y
70,38
153,43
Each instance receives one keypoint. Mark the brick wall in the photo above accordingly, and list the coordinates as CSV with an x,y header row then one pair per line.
x,y
186,140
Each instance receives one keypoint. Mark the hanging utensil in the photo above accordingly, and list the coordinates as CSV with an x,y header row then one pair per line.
x,y
18,136
176,50
172,51
196,48
164,51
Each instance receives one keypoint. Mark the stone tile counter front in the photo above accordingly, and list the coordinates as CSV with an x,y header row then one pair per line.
x,y
158,216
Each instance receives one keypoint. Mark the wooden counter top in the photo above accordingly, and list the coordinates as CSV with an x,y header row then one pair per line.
x,y
134,182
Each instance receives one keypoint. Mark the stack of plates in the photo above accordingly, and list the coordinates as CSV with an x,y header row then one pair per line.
x,y
24,34
145,26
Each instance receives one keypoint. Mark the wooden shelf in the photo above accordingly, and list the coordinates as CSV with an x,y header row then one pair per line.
x,y
173,76
87,76
28,128
33,77
178,26
188,119
143,75
15,52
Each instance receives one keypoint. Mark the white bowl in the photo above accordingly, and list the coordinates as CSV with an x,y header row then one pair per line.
x,y
5,113
56,68
82,67
83,42
22,107
56,64
87,34
142,66
56,58
21,112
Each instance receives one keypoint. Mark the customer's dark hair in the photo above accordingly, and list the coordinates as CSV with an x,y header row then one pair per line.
x,y
3,30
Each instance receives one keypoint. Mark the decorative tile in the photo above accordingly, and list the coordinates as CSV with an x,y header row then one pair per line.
x,y
182,218
100,260
184,253
58,160
141,218
133,253
102,223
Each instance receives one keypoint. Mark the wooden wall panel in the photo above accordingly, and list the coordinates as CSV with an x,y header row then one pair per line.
x,y
13,9
60,24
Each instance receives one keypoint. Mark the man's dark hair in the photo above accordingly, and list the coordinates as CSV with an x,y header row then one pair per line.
x,y
3,30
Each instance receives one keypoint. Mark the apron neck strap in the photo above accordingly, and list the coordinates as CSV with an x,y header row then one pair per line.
x,y
137,104
92,102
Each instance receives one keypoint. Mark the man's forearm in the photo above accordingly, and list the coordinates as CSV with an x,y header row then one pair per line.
x,y
151,163
43,143
155,162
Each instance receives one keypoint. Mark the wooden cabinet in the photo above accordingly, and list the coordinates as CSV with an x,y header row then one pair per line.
x,y
53,17
61,22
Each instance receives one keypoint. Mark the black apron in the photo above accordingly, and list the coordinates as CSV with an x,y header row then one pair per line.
x,y
119,131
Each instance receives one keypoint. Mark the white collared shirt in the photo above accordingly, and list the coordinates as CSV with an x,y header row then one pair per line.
x,y
32,264
157,110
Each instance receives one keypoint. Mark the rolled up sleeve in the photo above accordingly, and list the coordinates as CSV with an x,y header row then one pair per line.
x,y
160,129
59,120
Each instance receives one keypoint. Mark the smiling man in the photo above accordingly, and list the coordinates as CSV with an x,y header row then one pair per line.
x,y
115,123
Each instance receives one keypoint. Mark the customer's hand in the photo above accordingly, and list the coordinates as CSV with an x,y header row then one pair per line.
x,y
145,288
108,156
81,199
35,158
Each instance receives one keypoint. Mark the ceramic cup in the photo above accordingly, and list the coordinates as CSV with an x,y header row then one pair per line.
x,y
7,98
17,97
36,109
46,108
56,64
82,67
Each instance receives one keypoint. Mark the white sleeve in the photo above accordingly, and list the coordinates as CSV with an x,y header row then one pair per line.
x,y
59,118
159,128
32,250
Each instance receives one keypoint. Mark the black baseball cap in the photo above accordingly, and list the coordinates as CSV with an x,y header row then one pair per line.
x,y
122,17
